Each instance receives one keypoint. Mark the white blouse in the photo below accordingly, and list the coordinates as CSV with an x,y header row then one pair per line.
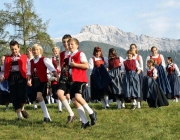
x,y
91,62
176,68
140,61
162,58
154,71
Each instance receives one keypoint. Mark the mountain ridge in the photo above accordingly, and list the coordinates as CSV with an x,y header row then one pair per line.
x,y
114,36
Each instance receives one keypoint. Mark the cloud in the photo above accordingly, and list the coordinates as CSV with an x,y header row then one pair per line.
x,y
170,3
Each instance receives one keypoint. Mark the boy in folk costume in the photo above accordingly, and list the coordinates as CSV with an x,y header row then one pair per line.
x,y
30,95
15,73
54,82
64,56
37,76
77,75
63,84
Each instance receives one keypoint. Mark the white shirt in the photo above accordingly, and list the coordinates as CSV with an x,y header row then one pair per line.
x,y
47,62
176,68
154,71
140,61
123,68
91,62
82,58
162,58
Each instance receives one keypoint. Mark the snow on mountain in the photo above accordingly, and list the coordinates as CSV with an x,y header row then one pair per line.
x,y
114,36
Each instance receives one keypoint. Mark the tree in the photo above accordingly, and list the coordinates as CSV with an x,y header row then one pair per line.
x,y
28,27
3,34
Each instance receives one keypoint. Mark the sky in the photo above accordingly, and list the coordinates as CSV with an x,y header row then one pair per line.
x,y
157,18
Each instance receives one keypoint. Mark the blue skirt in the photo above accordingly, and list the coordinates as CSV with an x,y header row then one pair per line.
x,y
153,94
131,85
174,83
162,80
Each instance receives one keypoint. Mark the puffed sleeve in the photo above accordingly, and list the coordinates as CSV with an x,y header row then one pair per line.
x,y
91,65
176,69
49,64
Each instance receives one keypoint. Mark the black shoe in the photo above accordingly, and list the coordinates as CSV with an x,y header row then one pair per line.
x,y
71,119
134,107
46,119
85,125
93,117
25,114
19,119
107,107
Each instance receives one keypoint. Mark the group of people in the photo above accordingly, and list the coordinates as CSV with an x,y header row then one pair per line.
x,y
28,77
125,80
29,73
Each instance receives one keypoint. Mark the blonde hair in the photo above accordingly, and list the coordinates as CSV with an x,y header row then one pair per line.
x,y
54,48
74,40
39,47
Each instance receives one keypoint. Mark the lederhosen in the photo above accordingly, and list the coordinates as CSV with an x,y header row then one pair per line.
x,y
63,83
17,87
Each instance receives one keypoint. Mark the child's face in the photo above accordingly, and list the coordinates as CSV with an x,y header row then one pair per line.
x,y
29,53
149,64
36,52
133,48
15,50
98,54
111,55
72,46
154,51
129,56
65,43
168,61
56,52
2,60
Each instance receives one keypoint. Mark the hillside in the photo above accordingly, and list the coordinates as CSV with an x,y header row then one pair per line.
x,y
88,46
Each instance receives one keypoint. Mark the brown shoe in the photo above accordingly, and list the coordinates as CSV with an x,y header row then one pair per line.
x,y
71,119
25,114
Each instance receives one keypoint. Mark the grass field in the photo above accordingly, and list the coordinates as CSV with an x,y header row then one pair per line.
x,y
113,124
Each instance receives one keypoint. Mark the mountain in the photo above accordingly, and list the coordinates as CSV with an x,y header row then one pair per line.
x,y
116,37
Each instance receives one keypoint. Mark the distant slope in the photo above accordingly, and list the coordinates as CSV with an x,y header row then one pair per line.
x,y
88,46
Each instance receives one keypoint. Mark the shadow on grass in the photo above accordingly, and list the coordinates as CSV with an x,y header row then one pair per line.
x,y
32,123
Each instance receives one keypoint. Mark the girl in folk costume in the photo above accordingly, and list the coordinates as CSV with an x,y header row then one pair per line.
x,y
4,88
131,84
160,66
114,67
152,92
78,77
138,57
37,76
54,83
97,66
64,57
15,73
173,74
31,96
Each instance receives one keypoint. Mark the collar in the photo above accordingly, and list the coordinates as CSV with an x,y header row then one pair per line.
x,y
73,53
37,57
19,55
